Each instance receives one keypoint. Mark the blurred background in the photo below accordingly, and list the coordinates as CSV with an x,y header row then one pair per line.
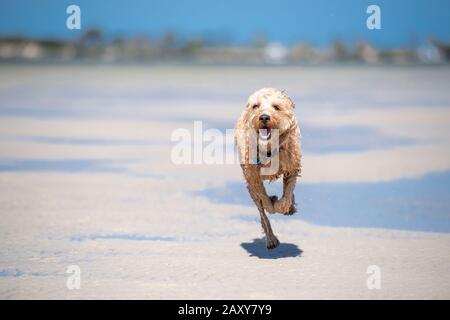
x,y
232,32
86,118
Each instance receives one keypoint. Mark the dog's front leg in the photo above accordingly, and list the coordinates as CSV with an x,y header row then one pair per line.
x,y
286,204
256,188
271,239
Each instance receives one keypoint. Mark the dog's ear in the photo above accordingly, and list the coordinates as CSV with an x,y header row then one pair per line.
x,y
241,141
285,94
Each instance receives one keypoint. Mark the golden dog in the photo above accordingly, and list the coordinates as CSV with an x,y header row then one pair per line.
x,y
268,141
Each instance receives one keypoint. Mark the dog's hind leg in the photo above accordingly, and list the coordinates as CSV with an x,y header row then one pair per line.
x,y
293,208
271,240
286,204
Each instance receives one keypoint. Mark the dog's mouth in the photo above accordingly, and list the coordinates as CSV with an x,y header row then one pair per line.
x,y
265,133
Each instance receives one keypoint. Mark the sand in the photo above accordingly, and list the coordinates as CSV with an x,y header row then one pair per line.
x,y
86,180
126,248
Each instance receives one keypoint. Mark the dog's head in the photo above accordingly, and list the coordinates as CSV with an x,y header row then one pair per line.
x,y
270,109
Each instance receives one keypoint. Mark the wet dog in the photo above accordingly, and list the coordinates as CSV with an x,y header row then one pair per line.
x,y
268,141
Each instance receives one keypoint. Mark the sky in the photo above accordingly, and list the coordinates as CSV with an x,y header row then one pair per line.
x,y
317,22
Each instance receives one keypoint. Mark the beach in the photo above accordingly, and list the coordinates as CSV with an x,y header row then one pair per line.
x,y
87,180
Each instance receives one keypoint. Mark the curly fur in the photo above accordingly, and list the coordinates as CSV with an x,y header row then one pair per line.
x,y
280,108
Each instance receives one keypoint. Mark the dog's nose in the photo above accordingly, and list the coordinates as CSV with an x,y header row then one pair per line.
x,y
264,118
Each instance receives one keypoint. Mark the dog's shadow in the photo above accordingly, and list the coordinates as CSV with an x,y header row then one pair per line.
x,y
257,248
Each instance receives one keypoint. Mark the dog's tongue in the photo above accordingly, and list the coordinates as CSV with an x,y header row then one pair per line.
x,y
264,133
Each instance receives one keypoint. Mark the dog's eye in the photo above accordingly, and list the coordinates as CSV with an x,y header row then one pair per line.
x,y
255,106
276,107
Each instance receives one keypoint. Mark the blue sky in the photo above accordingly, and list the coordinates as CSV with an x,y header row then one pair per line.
x,y
404,23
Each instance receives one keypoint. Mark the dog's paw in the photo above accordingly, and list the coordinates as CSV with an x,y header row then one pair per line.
x,y
283,206
268,206
292,209
272,242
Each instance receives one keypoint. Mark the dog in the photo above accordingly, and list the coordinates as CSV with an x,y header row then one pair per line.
x,y
267,133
